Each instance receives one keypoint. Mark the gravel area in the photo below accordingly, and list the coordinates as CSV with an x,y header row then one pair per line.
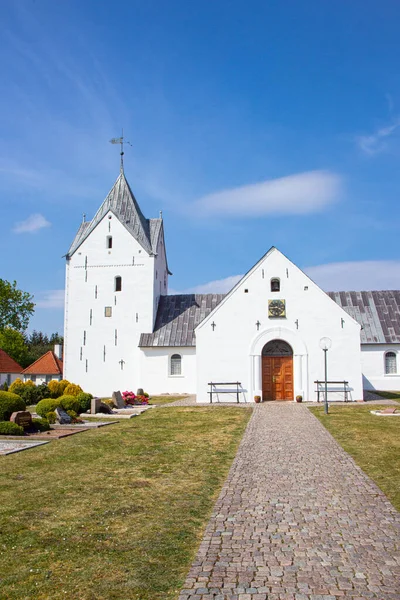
x,y
297,519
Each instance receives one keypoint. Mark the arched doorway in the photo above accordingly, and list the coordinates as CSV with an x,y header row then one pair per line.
x,y
277,371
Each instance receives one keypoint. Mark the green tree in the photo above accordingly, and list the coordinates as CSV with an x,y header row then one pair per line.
x,y
13,342
16,306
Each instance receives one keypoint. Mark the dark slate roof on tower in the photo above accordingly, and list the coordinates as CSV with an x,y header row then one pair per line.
x,y
123,204
177,318
377,312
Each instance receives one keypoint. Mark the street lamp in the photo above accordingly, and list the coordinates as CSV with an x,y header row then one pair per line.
x,y
325,343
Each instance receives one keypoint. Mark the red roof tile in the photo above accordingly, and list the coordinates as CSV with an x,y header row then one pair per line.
x,y
48,364
8,364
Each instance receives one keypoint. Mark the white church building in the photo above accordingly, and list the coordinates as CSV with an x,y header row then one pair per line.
x,y
123,331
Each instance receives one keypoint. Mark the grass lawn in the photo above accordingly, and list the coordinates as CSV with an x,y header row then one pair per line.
x,y
373,442
389,395
164,399
114,513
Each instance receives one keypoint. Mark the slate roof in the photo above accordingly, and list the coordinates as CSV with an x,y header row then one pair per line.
x,y
177,317
121,201
48,364
8,364
378,313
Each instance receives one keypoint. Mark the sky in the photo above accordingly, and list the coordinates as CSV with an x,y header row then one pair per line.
x,y
253,124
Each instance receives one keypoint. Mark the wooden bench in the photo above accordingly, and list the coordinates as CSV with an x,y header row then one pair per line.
x,y
213,389
345,388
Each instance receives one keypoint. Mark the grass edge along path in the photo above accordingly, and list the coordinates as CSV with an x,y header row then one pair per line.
x,y
114,513
372,441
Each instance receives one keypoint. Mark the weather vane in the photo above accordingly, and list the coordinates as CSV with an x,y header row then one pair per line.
x,y
121,141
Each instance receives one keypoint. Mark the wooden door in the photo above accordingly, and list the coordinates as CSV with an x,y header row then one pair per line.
x,y
277,377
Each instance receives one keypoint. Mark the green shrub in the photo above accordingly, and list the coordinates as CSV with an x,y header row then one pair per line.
x,y
110,402
84,400
72,390
5,386
55,388
17,387
51,417
40,424
42,391
46,405
10,403
69,403
63,384
8,428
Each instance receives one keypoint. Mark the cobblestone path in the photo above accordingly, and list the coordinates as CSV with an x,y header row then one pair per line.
x,y
296,520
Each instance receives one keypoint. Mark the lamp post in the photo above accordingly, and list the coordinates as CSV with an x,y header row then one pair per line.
x,y
325,343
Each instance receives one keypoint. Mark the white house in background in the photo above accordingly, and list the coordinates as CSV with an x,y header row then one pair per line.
x,y
10,370
122,330
47,368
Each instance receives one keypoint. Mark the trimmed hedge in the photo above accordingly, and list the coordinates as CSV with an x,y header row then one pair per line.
x,y
73,389
40,424
8,428
69,403
10,403
49,405
84,400
46,405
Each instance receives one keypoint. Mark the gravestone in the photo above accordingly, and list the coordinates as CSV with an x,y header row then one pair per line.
x,y
105,409
94,405
23,418
118,400
62,417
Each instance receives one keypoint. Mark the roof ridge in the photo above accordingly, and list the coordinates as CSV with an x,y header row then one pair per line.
x,y
54,360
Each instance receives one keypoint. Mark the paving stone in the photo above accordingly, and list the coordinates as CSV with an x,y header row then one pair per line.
x,y
297,519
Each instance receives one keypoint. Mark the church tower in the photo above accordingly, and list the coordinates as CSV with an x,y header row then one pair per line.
x,y
116,272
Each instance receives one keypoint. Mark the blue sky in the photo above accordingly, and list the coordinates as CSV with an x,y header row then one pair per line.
x,y
253,124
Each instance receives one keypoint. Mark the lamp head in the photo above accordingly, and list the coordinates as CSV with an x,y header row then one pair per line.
x,y
325,343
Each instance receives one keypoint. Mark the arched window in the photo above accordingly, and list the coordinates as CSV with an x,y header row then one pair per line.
x,y
176,364
390,363
109,241
275,285
118,284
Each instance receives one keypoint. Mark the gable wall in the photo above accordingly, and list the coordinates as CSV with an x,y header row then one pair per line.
x,y
156,375
232,352
85,339
373,367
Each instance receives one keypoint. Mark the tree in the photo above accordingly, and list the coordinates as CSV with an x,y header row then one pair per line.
x,y
16,306
13,342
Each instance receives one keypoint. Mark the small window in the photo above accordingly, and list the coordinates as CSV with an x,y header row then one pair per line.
x,y
390,363
48,378
275,285
176,364
118,284
108,311
109,241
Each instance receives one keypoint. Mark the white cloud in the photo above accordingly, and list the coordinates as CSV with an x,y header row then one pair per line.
x,y
298,194
377,142
32,224
51,299
357,275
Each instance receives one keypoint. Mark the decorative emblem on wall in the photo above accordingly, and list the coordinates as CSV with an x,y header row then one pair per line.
x,y
276,309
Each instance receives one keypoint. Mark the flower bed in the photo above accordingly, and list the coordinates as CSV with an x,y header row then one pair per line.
x,y
132,399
